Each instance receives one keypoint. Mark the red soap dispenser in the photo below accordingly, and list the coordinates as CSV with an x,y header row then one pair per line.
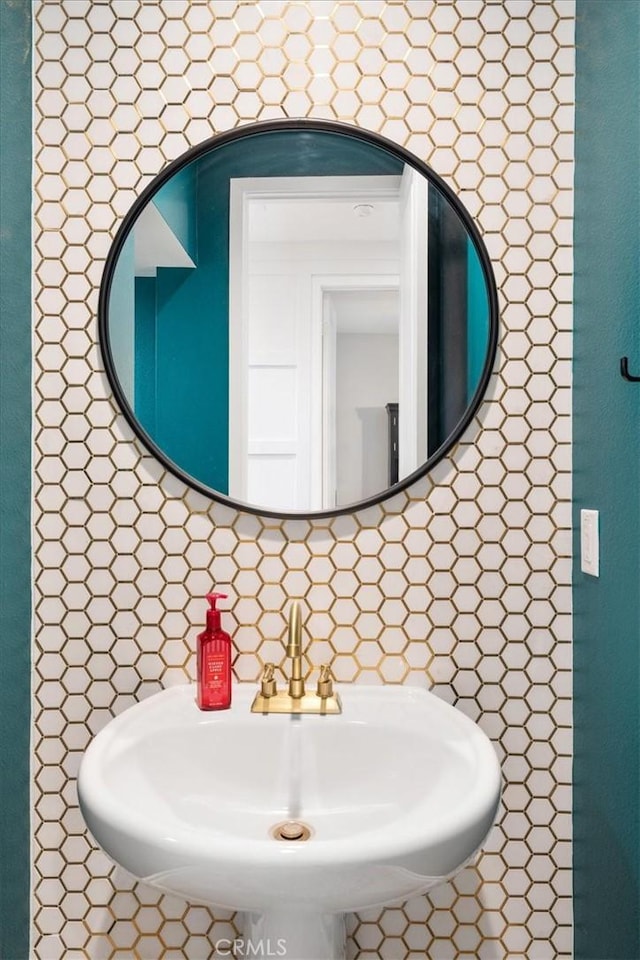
x,y
214,661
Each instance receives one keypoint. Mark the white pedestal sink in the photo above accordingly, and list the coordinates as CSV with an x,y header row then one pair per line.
x,y
398,793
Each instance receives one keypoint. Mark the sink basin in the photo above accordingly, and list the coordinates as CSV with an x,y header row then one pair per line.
x,y
397,794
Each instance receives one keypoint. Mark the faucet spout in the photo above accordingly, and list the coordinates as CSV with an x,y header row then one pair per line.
x,y
294,651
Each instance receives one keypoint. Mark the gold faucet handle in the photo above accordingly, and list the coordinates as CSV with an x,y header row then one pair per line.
x,y
325,682
268,684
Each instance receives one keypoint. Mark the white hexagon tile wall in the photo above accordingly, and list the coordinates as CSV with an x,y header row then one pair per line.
x,y
464,581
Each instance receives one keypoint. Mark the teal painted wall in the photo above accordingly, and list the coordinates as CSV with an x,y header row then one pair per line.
x,y
607,478
15,472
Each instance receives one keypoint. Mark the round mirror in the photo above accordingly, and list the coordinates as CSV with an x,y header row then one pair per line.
x,y
298,318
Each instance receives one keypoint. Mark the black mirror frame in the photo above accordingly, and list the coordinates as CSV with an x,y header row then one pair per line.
x,y
239,133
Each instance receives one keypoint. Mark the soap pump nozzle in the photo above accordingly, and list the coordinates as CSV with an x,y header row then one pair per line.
x,y
213,614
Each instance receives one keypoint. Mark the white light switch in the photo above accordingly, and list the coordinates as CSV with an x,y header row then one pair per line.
x,y
589,543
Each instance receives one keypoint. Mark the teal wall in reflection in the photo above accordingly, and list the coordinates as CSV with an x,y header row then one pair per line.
x,y
477,320
144,387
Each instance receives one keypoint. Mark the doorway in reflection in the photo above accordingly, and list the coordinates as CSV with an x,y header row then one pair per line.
x,y
366,379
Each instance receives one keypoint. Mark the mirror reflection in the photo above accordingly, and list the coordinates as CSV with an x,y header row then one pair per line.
x,y
297,319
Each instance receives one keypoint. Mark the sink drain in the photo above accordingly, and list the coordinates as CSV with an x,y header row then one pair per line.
x,y
291,830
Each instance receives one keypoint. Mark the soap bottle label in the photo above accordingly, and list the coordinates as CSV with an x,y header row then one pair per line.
x,y
214,683
214,669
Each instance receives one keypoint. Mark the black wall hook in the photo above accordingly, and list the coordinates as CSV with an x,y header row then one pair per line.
x,y
624,370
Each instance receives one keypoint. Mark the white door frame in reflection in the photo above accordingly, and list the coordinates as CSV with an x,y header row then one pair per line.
x,y
280,450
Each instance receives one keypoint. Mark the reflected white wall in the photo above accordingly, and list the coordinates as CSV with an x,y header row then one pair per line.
x,y
366,381
122,316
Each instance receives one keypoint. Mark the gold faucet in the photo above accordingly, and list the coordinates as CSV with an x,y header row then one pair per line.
x,y
295,700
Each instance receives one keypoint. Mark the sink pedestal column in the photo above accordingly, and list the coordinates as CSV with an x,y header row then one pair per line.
x,y
294,935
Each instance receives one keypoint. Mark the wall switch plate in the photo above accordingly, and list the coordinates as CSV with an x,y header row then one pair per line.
x,y
589,543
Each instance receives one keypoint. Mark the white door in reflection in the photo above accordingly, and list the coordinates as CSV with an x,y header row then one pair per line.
x,y
323,325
